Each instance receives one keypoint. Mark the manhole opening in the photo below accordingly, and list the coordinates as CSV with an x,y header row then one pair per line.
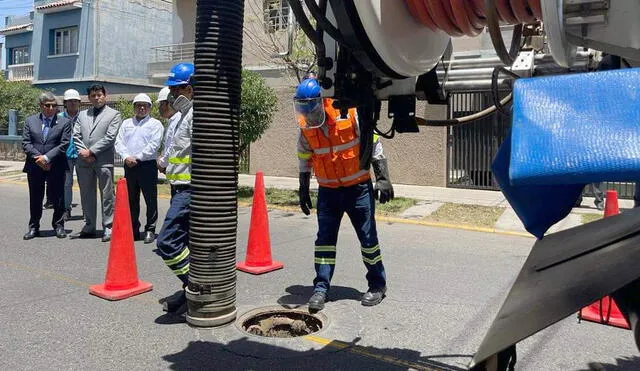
x,y
282,324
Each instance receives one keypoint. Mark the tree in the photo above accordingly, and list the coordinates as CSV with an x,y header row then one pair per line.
x,y
20,96
266,36
257,107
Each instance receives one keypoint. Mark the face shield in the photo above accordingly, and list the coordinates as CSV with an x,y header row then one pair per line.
x,y
309,112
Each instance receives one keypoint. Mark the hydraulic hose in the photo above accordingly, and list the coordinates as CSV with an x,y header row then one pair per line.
x,y
469,17
211,292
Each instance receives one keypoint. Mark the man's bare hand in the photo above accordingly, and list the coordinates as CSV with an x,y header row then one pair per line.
x,y
131,161
42,162
84,153
90,159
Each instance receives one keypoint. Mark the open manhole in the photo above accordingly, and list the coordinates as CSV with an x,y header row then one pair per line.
x,y
278,322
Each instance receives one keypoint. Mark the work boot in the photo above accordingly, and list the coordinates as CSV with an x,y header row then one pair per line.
x,y
47,205
176,303
149,236
316,302
373,297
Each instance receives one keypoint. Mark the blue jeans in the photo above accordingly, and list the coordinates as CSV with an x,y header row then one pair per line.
x,y
173,239
358,202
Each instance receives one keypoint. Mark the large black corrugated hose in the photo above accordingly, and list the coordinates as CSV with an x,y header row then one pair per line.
x,y
218,56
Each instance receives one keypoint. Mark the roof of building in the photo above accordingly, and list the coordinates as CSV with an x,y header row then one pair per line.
x,y
16,28
56,4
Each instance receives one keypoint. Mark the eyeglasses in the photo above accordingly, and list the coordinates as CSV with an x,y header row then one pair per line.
x,y
49,105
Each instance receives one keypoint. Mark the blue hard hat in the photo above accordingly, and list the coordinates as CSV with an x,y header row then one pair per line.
x,y
308,88
307,96
180,74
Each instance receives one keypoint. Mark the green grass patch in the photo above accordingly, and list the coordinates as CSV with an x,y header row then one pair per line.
x,y
590,217
395,207
473,215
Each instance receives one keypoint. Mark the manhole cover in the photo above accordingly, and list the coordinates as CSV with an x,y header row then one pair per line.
x,y
281,323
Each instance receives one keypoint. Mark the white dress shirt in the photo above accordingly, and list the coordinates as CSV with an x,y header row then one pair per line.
x,y
140,139
168,138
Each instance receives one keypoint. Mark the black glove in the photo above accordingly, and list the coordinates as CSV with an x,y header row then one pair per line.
x,y
383,187
303,193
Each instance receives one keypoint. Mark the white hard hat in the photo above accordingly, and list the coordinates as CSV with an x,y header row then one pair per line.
x,y
142,97
71,94
163,95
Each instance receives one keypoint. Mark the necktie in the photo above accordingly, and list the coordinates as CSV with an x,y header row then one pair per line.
x,y
45,129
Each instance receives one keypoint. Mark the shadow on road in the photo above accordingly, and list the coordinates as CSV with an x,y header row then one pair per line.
x,y
622,364
298,295
246,354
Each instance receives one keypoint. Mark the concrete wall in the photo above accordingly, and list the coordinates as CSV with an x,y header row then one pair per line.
x,y
14,41
11,148
413,158
125,32
183,22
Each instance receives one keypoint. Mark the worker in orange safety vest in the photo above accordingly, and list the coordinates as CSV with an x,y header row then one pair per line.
x,y
330,145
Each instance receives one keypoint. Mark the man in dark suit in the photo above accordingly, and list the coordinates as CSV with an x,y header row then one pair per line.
x,y
44,139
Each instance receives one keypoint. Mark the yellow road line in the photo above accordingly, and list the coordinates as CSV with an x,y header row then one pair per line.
x,y
362,351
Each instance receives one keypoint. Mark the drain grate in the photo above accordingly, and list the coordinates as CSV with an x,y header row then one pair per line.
x,y
280,323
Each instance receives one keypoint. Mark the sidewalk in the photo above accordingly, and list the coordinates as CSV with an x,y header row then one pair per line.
x,y
431,198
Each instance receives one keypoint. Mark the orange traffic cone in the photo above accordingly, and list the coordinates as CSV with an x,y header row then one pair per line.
x,y
121,279
258,258
605,310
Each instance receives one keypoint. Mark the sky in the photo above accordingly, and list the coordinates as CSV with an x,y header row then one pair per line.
x,y
12,7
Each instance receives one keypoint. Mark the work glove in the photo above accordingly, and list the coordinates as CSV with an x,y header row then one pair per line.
x,y
383,189
303,193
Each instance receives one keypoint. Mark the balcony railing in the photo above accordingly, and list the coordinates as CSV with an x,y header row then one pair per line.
x,y
173,53
20,72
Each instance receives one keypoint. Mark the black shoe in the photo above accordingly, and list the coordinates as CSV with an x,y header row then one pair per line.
x,y
33,233
176,303
47,205
149,236
316,302
373,297
106,237
60,233
83,234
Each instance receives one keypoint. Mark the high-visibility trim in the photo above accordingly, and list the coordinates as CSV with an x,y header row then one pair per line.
x,y
345,179
304,156
178,176
375,137
180,160
326,248
179,258
373,261
329,261
325,180
354,176
338,148
370,250
183,270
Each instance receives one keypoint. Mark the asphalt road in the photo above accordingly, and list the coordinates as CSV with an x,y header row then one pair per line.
x,y
445,287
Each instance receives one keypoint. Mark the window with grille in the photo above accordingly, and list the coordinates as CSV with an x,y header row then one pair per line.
x,y
65,41
20,55
276,15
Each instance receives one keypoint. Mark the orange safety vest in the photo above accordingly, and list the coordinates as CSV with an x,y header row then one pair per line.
x,y
336,156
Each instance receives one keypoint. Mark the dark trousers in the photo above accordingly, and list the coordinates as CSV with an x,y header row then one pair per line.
x,y
143,177
173,239
55,183
358,202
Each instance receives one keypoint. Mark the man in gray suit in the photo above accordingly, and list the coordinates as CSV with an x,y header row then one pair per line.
x,y
94,135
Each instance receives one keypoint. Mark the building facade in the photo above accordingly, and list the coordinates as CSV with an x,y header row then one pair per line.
x,y
74,43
